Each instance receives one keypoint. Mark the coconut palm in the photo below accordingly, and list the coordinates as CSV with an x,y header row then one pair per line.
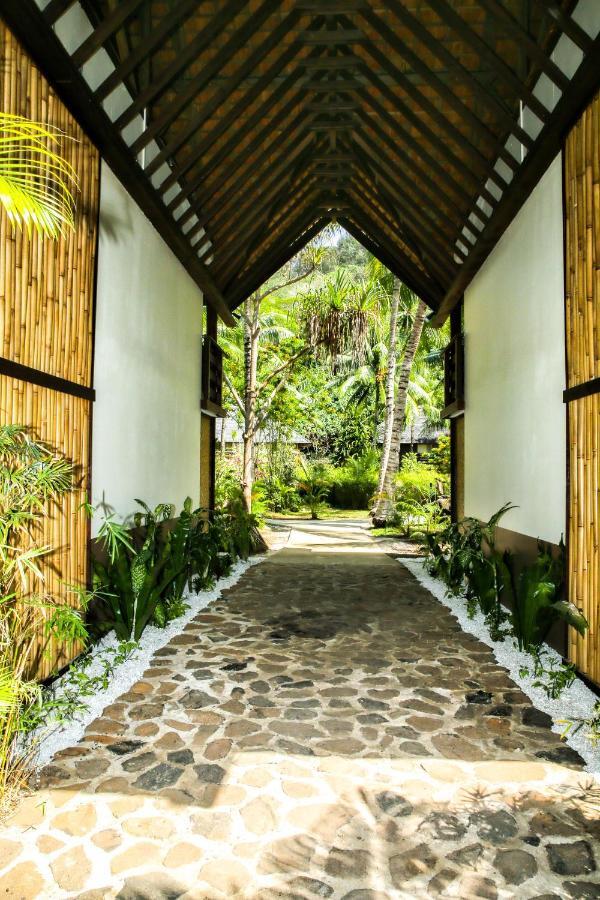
x,y
37,184
421,343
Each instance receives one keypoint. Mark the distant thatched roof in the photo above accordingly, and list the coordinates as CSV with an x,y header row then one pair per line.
x,y
234,432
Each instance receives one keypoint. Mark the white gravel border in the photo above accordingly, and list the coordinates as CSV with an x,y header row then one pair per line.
x,y
50,740
576,701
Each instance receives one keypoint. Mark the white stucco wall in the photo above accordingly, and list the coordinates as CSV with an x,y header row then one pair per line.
x,y
515,371
146,434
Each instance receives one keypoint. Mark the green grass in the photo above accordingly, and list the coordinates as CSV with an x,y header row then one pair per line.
x,y
327,512
388,532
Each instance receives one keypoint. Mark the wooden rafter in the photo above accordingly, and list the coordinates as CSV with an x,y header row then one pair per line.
x,y
261,122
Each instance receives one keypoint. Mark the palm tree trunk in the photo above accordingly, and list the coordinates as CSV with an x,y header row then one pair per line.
x,y
385,505
251,338
390,383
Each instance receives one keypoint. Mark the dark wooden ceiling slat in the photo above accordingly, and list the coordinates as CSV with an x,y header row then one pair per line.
x,y
504,18
464,113
161,122
57,8
293,239
458,72
155,39
244,157
259,195
504,72
166,76
247,174
232,116
104,31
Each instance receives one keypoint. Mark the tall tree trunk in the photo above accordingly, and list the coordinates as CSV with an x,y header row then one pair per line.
x,y
251,337
385,504
390,383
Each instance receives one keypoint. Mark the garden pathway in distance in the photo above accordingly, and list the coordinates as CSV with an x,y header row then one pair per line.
x,y
324,730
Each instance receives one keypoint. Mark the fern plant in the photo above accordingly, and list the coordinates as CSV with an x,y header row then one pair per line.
x,y
37,185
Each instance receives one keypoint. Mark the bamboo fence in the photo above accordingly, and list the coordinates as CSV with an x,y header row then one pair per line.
x,y
46,319
582,256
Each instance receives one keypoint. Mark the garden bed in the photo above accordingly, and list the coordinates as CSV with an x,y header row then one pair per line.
x,y
576,701
53,737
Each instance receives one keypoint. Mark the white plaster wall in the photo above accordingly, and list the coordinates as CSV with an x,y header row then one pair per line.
x,y
146,430
515,427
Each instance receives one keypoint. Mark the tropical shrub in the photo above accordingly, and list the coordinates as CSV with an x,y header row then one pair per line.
x,y
32,480
313,485
416,498
465,557
538,600
353,484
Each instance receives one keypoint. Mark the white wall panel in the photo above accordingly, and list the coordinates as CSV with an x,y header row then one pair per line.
x,y
146,433
515,425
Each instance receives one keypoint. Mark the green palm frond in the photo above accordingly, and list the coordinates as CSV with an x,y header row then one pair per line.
x,y
37,184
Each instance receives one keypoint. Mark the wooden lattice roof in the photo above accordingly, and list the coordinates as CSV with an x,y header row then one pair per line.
x,y
419,125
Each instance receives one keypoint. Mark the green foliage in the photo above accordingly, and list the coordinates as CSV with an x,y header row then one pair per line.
x,y
56,707
552,676
352,485
416,499
313,485
32,479
538,600
439,455
465,557
591,725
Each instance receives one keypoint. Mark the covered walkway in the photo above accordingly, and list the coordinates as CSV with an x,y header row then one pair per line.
x,y
324,730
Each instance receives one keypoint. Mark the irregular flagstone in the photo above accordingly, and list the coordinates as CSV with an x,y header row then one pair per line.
x,y
324,730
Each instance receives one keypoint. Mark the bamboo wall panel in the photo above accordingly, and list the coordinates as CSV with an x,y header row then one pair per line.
x,y
46,323
63,421
582,256
46,285
206,451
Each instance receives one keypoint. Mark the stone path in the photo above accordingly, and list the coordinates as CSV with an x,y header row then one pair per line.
x,y
325,730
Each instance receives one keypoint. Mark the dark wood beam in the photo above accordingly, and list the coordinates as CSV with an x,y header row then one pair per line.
x,y
277,211
332,38
476,162
331,63
242,159
429,219
437,48
255,193
241,232
362,235
535,53
253,227
460,26
331,7
464,113
423,238
188,55
367,201
158,37
421,161
340,86
583,86
247,183
104,31
437,229
220,97
57,8
291,82
285,248
29,26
